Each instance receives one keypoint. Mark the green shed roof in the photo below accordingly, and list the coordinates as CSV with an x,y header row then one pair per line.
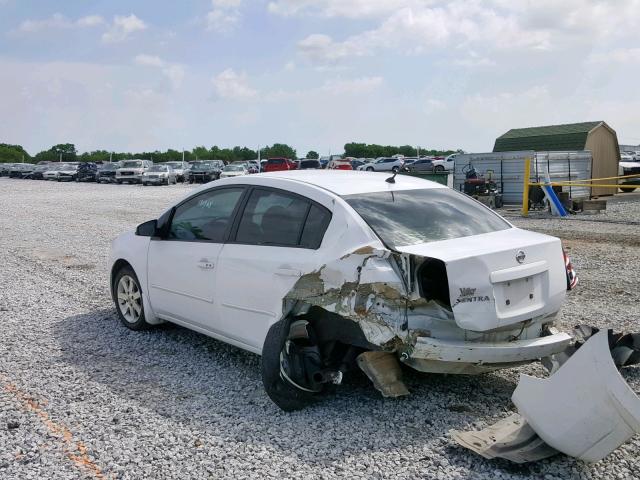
x,y
571,136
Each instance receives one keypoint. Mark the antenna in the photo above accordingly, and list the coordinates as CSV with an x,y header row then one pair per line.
x,y
392,179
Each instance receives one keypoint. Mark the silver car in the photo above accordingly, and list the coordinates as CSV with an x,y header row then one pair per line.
x,y
159,175
385,164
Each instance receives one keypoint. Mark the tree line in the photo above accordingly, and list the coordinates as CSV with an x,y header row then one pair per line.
x,y
67,152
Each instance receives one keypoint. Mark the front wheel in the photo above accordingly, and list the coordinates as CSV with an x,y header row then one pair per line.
x,y
128,299
369,169
439,168
395,169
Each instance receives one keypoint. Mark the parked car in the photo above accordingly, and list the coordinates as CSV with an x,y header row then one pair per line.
x,y
310,163
279,164
87,172
131,171
253,166
340,164
179,169
159,175
263,163
420,165
344,269
205,171
21,170
52,172
384,164
107,172
5,168
356,163
629,168
38,171
68,172
234,171
445,164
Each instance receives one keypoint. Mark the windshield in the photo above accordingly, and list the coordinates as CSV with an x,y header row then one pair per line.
x,y
203,166
174,164
233,168
109,166
158,168
410,217
67,168
134,164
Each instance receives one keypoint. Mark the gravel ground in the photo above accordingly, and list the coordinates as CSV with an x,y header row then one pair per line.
x,y
83,397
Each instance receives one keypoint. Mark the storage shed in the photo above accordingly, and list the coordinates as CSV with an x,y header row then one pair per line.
x,y
598,137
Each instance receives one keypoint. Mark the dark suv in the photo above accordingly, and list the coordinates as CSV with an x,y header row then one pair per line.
x,y
107,172
205,171
87,172
309,163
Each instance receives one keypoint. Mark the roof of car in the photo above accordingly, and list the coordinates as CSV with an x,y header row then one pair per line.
x,y
348,182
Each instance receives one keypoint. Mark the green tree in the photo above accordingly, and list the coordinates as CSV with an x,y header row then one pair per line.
x,y
312,154
278,150
13,154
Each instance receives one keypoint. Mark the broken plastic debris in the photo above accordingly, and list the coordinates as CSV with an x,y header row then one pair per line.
x,y
585,410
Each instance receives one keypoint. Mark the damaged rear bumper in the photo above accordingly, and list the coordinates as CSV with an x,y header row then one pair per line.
x,y
451,356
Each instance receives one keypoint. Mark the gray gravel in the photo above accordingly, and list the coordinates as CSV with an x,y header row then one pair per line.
x,y
82,397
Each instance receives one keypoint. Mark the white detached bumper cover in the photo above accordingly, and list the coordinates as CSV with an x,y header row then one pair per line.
x,y
585,409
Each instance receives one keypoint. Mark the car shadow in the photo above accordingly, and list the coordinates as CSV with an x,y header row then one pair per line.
x,y
216,389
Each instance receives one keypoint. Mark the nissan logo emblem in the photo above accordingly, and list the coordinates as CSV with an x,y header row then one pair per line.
x,y
520,256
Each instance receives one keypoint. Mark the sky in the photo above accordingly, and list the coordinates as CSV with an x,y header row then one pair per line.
x,y
145,75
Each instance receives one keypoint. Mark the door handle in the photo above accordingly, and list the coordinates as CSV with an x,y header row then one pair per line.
x,y
205,264
288,272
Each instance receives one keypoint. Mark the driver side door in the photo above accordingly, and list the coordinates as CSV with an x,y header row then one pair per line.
x,y
182,267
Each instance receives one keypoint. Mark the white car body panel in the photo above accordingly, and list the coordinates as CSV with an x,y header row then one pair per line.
x,y
483,274
593,410
248,287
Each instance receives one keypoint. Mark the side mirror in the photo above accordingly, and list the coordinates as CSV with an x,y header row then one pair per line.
x,y
147,229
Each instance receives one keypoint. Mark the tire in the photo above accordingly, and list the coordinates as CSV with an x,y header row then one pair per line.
x,y
119,182
281,392
439,168
395,169
130,309
369,169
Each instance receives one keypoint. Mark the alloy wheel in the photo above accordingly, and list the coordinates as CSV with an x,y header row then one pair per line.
x,y
129,299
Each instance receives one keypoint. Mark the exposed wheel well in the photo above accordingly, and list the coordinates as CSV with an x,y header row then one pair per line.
x,y
331,327
115,269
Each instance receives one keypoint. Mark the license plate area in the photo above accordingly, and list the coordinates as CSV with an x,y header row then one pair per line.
x,y
521,295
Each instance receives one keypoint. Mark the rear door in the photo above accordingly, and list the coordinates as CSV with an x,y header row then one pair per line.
x,y
182,268
275,242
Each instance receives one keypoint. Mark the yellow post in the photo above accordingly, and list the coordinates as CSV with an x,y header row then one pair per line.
x,y
525,192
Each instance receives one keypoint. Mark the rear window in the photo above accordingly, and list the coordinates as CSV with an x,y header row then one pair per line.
x,y
275,161
410,217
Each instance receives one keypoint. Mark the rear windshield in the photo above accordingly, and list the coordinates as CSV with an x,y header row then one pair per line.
x,y
309,163
410,217
275,161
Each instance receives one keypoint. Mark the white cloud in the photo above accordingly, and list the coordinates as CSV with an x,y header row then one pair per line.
x,y
59,21
235,86
619,55
338,8
418,27
224,15
172,71
122,27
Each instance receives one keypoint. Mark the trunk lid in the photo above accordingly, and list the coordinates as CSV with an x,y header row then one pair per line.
x,y
500,278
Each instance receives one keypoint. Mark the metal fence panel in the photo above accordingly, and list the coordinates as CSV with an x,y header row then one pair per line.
x,y
508,170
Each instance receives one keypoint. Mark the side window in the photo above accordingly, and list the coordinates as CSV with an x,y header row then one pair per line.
x,y
272,218
205,217
315,226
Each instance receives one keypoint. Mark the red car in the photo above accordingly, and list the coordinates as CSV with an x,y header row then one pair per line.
x,y
278,164
340,164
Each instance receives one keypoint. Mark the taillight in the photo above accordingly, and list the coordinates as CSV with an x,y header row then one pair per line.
x,y
572,276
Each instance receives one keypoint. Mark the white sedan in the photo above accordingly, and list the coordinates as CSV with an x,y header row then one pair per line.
x,y
319,271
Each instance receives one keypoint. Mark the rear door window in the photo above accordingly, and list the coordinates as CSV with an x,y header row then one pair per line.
x,y
276,218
